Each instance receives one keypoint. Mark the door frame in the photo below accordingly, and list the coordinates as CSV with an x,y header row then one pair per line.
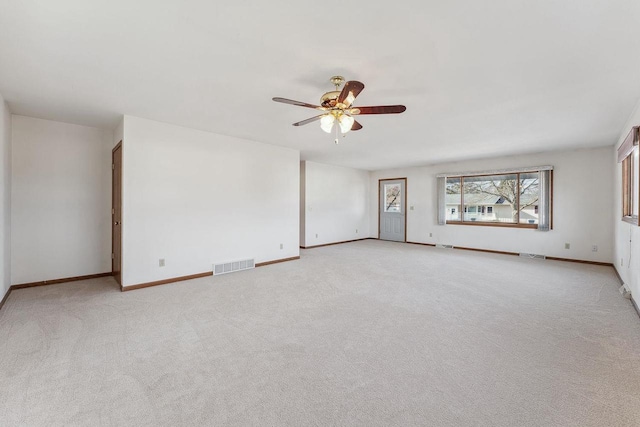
x,y
404,202
113,199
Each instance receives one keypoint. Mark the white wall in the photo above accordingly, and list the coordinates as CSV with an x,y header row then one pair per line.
x,y
303,204
582,201
626,236
118,132
61,200
5,198
336,204
195,198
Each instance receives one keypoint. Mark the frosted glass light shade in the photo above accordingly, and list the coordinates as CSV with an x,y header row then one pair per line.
x,y
345,123
326,123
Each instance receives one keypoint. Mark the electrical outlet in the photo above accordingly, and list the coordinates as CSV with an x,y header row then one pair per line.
x,y
356,231
316,235
281,246
594,248
567,245
430,234
161,262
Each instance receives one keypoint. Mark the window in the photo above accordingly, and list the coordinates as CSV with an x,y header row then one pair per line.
x,y
510,196
628,156
453,193
627,185
521,198
392,197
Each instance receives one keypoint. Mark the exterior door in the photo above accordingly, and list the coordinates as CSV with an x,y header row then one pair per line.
x,y
393,203
116,214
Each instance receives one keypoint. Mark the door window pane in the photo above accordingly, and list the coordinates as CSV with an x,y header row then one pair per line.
x,y
393,197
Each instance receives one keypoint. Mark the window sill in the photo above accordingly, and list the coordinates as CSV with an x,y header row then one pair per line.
x,y
631,219
492,224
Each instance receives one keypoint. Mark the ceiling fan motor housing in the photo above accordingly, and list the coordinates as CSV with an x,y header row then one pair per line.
x,y
329,99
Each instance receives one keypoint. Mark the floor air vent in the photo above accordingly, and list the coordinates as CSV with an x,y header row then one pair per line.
x,y
536,256
444,246
233,266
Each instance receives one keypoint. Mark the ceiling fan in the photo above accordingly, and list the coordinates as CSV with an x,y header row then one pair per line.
x,y
337,107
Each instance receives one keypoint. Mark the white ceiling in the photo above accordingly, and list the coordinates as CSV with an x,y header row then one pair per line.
x,y
478,78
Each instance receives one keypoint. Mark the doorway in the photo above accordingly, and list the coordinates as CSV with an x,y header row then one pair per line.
x,y
116,213
392,219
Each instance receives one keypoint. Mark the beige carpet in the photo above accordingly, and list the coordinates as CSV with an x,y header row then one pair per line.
x,y
365,333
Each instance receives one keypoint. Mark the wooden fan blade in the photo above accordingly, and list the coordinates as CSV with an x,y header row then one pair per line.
x,y
356,125
298,103
349,93
379,109
312,119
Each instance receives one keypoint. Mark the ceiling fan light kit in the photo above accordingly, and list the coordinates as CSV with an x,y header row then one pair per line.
x,y
337,107
345,121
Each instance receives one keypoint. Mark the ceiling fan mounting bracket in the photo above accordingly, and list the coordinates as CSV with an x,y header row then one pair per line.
x,y
337,81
